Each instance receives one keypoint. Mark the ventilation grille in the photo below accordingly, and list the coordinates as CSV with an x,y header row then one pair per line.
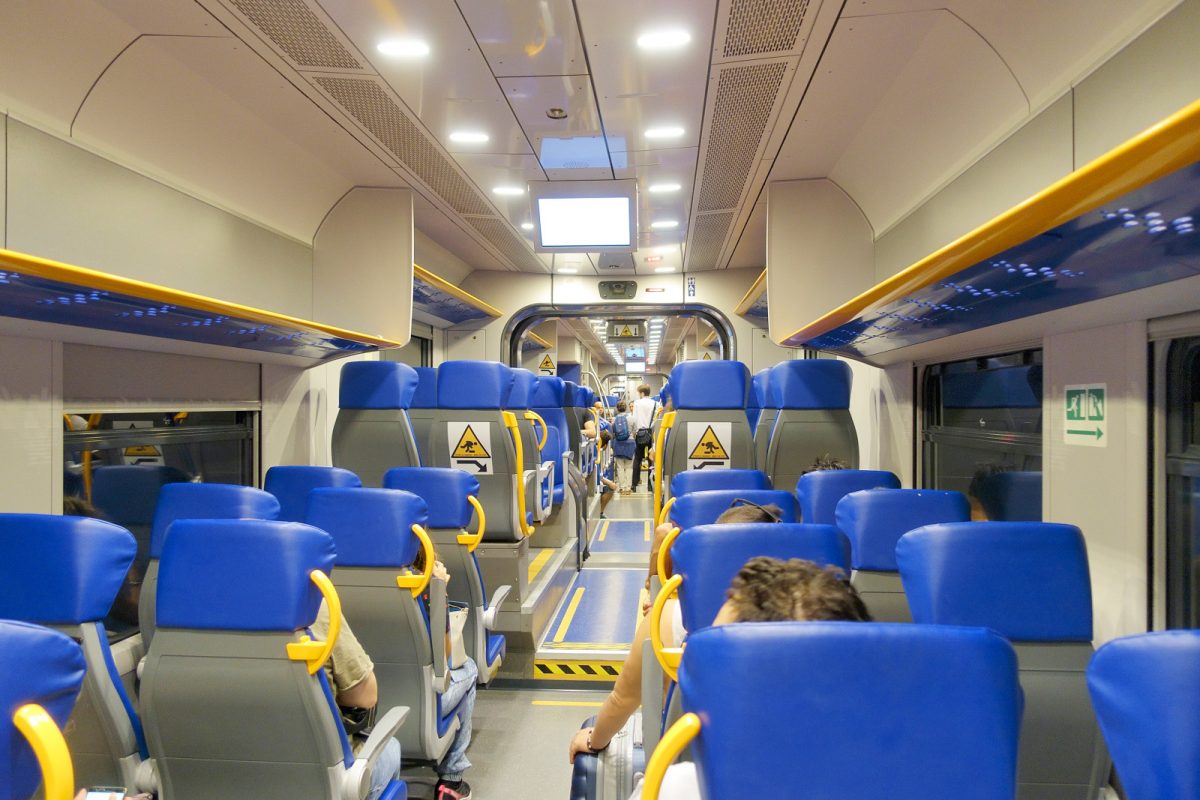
x,y
511,246
745,97
297,31
756,27
374,108
708,238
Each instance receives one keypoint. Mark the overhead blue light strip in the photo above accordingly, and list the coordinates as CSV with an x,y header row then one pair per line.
x,y
431,300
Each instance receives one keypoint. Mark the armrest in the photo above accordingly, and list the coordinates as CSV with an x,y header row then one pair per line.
x,y
498,597
356,784
437,628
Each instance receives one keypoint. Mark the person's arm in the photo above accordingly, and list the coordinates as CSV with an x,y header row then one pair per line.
x,y
364,694
620,704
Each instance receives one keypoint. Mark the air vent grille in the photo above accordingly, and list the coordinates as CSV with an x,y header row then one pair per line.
x,y
708,237
511,246
367,102
741,110
763,26
298,32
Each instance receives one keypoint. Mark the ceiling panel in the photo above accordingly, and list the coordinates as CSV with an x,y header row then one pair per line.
x,y
569,149
490,171
529,38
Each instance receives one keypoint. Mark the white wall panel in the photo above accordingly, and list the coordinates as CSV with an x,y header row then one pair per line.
x,y
1103,489
288,421
3,178
102,377
31,426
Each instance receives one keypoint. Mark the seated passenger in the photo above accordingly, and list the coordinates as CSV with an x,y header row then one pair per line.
x,y
608,486
740,511
979,512
122,617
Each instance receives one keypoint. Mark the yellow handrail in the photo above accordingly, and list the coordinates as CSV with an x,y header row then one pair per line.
x,y
666,511
533,416
417,583
472,540
596,417
50,748
510,422
316,653
668,421
663,553
668,657
677,737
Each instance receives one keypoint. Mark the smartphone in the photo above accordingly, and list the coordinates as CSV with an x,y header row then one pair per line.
x,y
105,793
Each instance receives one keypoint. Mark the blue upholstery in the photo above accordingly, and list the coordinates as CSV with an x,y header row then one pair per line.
x,y
664,394
819,491
426,394
496,647
37,665
370,527
573,396
758,396
396,790
710,384
524,383
207,501
999,388
548,392
1146,690
1011,496
854,710
709,556
699,480
127,494
703,508
61,570
443,489
377,384
1026,580
811,383
473,384
875,519
291,486
242,574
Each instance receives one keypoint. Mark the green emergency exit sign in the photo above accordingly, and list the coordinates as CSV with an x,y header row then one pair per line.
x,y
1085,415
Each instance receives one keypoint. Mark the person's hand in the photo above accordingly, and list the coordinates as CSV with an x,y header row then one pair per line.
x,y
439,572
579,743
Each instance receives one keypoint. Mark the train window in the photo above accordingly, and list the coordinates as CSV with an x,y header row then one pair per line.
x,y
1183,484
982,433
115,463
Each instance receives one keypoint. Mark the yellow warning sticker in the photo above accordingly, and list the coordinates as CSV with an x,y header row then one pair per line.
x,y
707,357
547,364
626,331
469,446
709,445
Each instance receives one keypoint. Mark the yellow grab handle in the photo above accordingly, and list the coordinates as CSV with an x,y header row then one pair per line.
x,y
316,653
677,737
417,583
596,416
668,657
533,416
472,540
510,422
50,748
666,511
668,421
664,550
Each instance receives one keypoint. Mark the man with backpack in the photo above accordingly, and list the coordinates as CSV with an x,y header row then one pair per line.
x,y
623,448
643,419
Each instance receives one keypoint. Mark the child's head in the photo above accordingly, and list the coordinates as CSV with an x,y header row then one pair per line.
x,y
605,438
772,590
745,511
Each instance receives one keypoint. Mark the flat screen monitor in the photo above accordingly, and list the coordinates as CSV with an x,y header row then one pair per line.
x,y
635,367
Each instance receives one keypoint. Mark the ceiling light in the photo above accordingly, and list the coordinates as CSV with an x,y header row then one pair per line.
x,y
526,226
670,39
666,248
404,48
468,137
508,191
665,223
664,269
665,132
662,188
567,271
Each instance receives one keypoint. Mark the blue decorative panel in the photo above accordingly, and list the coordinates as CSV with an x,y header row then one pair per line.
x,y
1147,237
758,312
433,301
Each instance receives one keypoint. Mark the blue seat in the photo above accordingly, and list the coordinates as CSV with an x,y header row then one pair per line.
x,y
703,508
234,692
41,672
292,484
65,572
1029,582
813,420
702,480
1146,690
178,501
1011,496
874,730
127,494
373,432
757,398
421,410
874,520
820,490
565,521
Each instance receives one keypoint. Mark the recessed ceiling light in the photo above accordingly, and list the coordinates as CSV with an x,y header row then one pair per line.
x,y
567,271
468,137
665,132
526,226
664,269
404,48
669,39
666,248
665,223
508,191
657,188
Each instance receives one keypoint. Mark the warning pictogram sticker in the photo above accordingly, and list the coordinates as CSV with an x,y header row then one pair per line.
x,y
470,446
626,332
547,365
709,445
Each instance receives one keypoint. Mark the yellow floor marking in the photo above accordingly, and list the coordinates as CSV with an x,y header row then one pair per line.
x,y
561,633
538,562
569,703
604,530
646,535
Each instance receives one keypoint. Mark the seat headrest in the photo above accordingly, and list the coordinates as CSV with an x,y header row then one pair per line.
x,y
549,392
291,485
207,501
242,574
876,730
709,556
702,480
810,383
998,388
443,489
759,388
1026,580
586,396
875,520
61,570
710,385
473,384
377,384
703,508
39,666
426,394
820,490
1011,496
128,493
523,385
370,527
570,394
1145,690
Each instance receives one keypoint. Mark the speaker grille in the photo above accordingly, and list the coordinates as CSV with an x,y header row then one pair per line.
x,y
756,27
708,238
298,32
504,239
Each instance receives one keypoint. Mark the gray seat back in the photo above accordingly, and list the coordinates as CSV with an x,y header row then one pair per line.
x,y
373,432
813,419
423,410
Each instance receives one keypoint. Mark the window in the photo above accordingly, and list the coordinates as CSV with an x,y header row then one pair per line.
x,y
982,433
1183,484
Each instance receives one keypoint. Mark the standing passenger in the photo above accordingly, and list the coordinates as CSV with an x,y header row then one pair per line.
x,y
623,447
643,418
